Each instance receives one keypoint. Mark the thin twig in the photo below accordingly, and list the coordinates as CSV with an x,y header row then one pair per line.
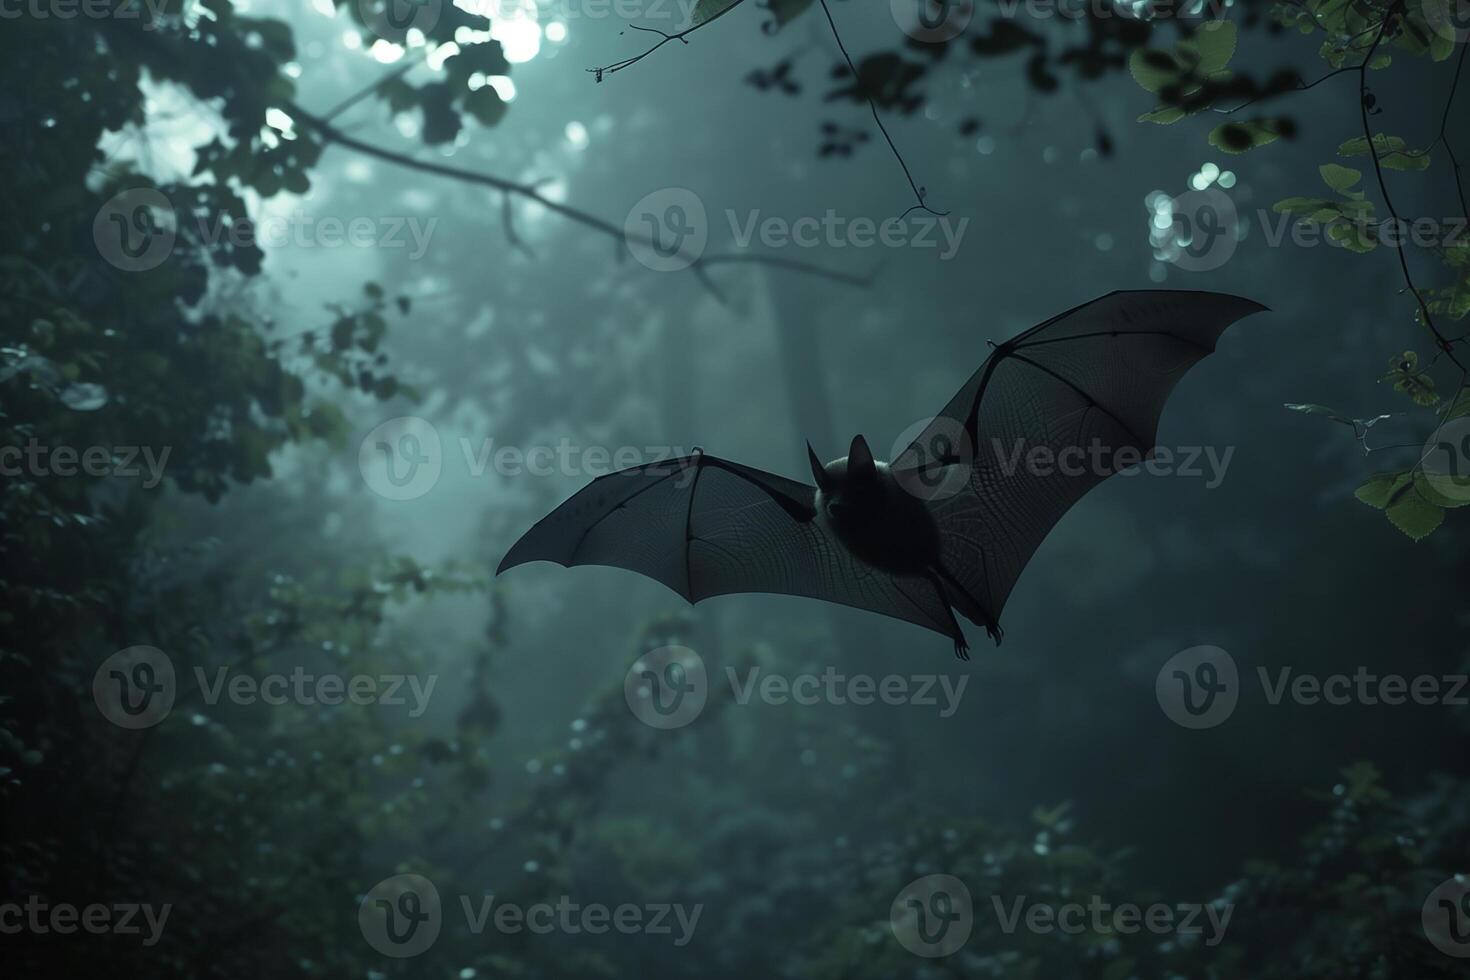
x,y
664,38
682,37
1444,123
409,64
1301,87
919,192
1445,347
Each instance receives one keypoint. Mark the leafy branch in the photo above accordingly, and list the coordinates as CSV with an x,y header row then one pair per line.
x,y
1194,77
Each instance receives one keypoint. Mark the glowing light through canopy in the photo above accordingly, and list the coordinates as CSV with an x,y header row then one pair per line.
x,y
515,25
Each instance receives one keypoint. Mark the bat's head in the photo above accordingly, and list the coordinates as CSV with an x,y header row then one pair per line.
x,y
849,481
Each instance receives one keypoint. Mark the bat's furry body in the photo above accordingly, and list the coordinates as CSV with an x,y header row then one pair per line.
x,y
945,527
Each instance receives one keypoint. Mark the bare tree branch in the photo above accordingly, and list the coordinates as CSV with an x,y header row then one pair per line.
x,y
331,134
1446,348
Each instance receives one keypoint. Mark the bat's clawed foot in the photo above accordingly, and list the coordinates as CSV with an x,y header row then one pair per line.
x,y
961,648
994,631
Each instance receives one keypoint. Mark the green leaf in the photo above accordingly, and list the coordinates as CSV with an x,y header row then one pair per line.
x,y
1352,236
1237,137
1441,46
1414,515
1460,406
1323,410
1380,489
1426,489
1406,161
1163,115
1317,208
1338,177
1358,145
1153,69
1213,44
486,105
1391,152
486,57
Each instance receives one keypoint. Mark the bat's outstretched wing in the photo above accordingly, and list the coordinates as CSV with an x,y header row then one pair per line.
x,y
1042,422
705,526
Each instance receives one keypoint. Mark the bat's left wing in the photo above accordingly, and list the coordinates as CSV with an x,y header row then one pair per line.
x,y
1072,393
704,526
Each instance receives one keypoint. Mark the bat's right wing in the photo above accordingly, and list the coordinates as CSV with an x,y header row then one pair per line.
x,y
1073,391
705,526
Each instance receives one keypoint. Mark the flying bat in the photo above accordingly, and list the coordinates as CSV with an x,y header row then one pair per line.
x,y
951,522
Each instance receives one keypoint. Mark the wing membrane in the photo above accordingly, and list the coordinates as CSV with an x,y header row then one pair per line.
x,y
1093,380
705,526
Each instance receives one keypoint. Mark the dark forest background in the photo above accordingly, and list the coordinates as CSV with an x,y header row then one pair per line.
x,y
528,320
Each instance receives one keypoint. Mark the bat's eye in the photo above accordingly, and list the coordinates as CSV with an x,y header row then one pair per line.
x,y
836,508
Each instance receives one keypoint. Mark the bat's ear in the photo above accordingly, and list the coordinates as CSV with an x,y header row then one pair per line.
x,y
819,472
860,458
